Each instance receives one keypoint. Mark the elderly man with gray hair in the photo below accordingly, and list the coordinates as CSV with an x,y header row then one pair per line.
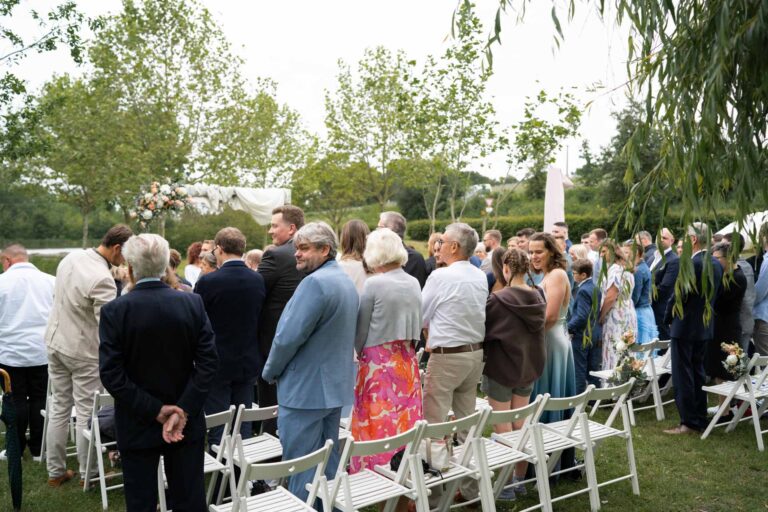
x,y
453,312
158,359
311,359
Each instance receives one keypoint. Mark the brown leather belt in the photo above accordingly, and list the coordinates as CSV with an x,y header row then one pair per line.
x,y
472,347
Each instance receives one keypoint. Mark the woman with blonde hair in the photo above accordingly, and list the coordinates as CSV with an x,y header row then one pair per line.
x,y
617,311
388,397
579,252
431,262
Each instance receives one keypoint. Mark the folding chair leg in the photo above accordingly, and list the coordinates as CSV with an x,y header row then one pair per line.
x,y
631,454
422,495
756,423
657,400
713,422
161,487
631,407
484,482
542,476
737,416
589,463
102,478
87,484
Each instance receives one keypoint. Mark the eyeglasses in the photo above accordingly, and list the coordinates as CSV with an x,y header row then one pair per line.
x,y
441,241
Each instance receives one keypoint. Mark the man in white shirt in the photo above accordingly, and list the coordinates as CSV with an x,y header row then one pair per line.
x,y
26,296
453,312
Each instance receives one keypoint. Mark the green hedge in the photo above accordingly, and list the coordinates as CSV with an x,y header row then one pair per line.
x,y
577,224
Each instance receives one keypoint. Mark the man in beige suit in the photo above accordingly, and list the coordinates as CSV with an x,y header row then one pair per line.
x,y
84,284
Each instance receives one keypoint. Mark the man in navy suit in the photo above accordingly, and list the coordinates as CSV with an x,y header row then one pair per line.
x,y
157,358
233,296
312,354
281,277
664,274
586,356
691,333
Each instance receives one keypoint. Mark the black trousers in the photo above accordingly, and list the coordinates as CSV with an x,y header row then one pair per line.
x,y
225,392
183,468
29,386
688,377
267,396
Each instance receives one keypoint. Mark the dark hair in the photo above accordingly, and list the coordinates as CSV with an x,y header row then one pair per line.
x,y
599,233
174,259
117,235
291,214
557,258
582,267
561,224
193,252
518,262
353,236
497,264
728,237
526,232
170,278
231,240
723,247
583,236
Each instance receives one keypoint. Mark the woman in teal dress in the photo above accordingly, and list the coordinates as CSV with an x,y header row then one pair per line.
x,y
559,376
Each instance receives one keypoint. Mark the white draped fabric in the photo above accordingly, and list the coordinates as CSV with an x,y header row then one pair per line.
x,y
750,227
258,202
554,199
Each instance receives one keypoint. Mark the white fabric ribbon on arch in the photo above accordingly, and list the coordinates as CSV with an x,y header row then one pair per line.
x,y
258,202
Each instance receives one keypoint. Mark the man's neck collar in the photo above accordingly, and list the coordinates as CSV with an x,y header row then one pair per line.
x,y
100,250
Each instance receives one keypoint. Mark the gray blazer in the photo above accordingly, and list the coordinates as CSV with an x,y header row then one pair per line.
x,y
390,309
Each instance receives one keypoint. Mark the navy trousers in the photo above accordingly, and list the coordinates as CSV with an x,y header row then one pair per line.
x,y
224,393
586,359
303,431
183,468
688,377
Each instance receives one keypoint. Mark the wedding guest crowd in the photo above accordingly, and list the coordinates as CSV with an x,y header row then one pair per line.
x,y
320,324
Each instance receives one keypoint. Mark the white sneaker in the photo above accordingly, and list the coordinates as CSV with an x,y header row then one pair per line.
x,y
2,455
711,411
38,458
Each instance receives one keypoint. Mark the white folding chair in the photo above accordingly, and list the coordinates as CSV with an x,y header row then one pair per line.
x,y
654,367
260,448
502,458
279,499
96,449
555,440
211,465
72,448
350,493
598,432
460,466
750,388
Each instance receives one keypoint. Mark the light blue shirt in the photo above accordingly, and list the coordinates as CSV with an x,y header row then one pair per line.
x,y
26,298
148,280
760,309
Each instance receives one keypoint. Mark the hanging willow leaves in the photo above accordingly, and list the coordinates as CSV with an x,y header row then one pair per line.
x,y
700,66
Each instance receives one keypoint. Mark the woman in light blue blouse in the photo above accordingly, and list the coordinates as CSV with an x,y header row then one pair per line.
x,y
642,294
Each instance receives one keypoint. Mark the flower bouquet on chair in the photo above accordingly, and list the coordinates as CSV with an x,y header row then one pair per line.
x,y
736,361
627,365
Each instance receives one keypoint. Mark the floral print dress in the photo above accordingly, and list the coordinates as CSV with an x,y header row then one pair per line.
x,y
387,397
621,318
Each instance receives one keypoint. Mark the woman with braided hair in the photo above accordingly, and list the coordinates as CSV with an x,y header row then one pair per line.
x,y
514,345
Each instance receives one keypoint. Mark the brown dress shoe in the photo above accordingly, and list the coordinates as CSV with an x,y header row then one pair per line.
x,y
66,477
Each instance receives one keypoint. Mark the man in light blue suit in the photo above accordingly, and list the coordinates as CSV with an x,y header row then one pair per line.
x,y
312,353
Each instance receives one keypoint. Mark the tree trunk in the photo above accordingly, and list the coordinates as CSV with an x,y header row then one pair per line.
x,y
86,215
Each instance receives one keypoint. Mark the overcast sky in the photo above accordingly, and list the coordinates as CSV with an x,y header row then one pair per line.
x,y
298,43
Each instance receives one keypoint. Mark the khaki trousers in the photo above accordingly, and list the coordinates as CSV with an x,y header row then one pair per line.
x,y
450,382
73,382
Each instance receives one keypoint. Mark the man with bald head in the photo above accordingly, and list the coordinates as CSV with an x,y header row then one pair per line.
x,y
26,297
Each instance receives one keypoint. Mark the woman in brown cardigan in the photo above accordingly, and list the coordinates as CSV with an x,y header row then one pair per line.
x,y
514,345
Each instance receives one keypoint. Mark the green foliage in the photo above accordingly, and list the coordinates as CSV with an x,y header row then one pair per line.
x,y
58,27
170,67
191,226
369,117
331,185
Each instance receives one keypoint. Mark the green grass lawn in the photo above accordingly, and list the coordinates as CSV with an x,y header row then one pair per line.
x,y
725,472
